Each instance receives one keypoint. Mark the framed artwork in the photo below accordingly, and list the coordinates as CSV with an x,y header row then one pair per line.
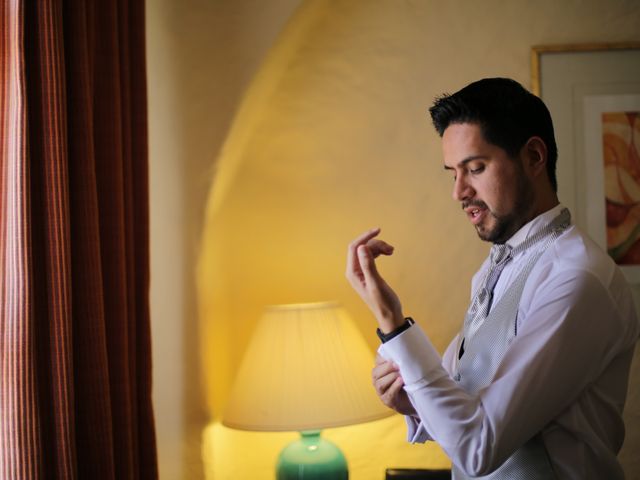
x,y
593,93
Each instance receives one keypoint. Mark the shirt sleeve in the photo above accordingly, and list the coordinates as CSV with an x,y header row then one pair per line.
x,y
416,433
573,330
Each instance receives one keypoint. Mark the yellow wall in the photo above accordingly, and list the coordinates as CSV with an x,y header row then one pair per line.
x,y
201,54
330,137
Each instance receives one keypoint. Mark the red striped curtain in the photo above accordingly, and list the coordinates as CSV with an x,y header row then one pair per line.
x,y
75,360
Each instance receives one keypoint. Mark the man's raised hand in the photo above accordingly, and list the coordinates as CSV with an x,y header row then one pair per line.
x,y
367,282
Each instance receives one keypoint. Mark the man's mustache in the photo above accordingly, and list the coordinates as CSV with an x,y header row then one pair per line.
x,y
474,203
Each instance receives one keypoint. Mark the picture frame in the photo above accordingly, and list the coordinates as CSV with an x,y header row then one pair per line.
x,y
578,83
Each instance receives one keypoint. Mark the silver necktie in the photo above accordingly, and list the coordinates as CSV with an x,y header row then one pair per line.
x,y
499,256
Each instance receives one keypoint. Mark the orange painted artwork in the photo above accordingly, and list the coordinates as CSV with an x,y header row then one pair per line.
x,y
621,138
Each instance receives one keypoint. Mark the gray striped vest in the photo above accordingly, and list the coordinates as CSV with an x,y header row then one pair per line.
x,y
483,353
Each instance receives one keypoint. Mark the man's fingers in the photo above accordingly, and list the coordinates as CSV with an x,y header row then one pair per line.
x,y
368,265
388,384
361,240
383,368
379,247
393,396
384,382
353,267
396,386
392,391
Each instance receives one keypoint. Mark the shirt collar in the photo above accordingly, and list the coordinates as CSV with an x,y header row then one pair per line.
x,y
534,226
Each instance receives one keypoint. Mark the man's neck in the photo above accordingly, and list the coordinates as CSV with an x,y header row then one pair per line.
x,y
528,228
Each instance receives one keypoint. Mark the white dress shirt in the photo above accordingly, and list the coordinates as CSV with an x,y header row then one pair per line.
x,y
564,375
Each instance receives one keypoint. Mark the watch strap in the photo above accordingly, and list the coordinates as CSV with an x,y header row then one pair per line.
x,y
385,337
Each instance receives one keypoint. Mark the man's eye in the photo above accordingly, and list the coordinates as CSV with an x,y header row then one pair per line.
x,y
476,170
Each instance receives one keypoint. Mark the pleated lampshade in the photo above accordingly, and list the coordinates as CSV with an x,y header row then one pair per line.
x,y
307,367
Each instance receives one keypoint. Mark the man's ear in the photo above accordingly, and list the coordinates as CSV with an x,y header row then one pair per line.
x,y
535,156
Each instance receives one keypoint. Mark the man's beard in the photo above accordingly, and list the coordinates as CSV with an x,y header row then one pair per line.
x,y
505,226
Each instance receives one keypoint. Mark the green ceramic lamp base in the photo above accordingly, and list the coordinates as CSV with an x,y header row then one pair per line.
x,y
311,458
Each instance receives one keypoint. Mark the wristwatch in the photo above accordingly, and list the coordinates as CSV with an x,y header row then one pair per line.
x,y
385,337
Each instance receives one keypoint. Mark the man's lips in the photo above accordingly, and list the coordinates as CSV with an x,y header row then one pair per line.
x,y
475,212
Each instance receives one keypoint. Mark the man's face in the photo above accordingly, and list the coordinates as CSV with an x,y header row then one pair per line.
x,y
493,188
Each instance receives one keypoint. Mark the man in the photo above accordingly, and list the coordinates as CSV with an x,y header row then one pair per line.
x,y
534,385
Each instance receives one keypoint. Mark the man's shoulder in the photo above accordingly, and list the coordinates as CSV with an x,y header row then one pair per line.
x,y
576,252
575,272
577,263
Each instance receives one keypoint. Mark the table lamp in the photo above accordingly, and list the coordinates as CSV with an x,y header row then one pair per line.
x,y
307,367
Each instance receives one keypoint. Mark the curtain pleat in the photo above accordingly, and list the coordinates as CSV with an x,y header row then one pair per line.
x,y
50,249
93,393
75,398
19,419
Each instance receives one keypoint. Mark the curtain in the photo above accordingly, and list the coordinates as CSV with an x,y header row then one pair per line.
x,y
75,355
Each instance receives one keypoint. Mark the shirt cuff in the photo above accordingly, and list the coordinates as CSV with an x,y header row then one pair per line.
x,y
418,360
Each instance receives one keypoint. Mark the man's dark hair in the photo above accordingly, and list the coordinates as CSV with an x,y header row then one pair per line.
x,y
508,116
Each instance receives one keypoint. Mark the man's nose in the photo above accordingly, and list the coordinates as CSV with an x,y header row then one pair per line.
x,y
462,190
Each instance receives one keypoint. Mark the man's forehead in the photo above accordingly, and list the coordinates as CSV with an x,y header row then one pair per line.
x,y
462,143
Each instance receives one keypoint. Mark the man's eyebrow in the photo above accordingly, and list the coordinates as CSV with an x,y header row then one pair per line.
x,y
464,161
